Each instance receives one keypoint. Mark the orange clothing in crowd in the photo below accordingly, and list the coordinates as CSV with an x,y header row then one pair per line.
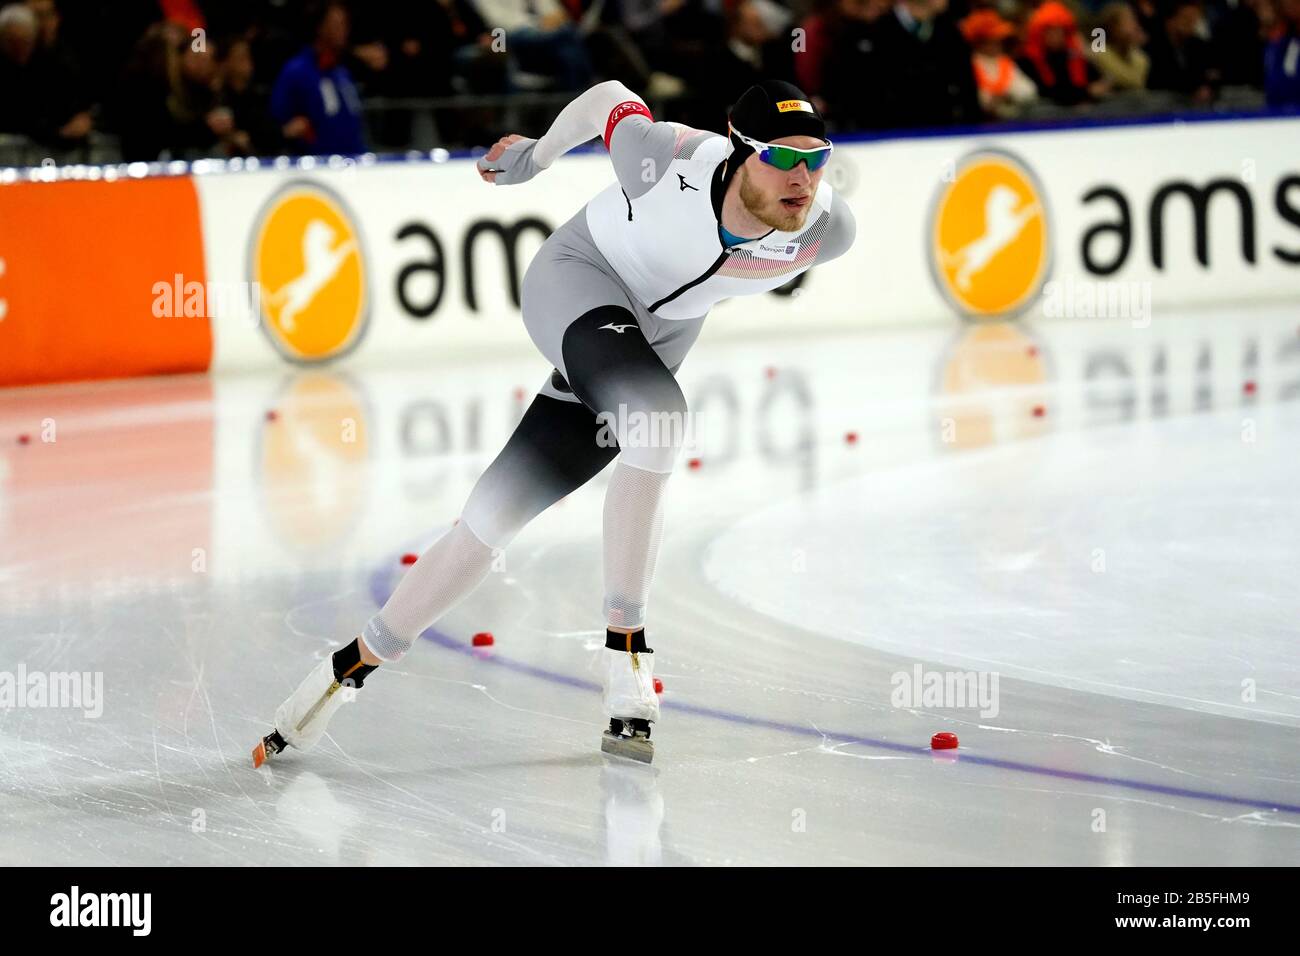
x,y
997,78
1053,14
184,12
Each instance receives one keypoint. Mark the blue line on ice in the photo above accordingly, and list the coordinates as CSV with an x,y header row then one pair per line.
x,y
379,594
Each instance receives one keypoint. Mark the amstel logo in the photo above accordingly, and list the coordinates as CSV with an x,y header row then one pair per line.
x,y
989,236
307,261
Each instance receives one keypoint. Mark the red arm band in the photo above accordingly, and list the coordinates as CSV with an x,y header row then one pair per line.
x,y
622,112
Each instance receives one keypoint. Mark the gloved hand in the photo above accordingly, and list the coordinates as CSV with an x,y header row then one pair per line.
x,y
509,161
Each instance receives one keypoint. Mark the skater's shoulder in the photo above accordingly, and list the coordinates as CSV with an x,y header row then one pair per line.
x,y
673,140
690,143
643,151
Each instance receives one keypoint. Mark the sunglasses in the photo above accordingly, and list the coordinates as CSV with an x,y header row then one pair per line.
x,y
786,158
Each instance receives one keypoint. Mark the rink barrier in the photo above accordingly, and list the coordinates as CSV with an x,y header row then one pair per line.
x,y
78,267
143,269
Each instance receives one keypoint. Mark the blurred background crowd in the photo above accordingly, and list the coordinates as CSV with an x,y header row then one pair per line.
x,y
182,79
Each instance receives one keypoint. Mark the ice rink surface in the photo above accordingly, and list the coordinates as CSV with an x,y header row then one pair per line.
x,y
1096,522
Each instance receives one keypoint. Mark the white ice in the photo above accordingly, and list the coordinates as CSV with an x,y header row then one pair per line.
x,y
1100,515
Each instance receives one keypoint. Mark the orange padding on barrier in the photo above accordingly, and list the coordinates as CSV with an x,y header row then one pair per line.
x,y
79,262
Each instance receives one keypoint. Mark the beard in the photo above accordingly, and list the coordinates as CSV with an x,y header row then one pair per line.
x,y
767,210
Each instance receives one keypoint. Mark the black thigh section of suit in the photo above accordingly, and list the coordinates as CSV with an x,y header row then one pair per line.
x,y
611,366
553,451
559,446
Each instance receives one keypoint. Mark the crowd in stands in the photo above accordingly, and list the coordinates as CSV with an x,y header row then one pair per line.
x,y
189,78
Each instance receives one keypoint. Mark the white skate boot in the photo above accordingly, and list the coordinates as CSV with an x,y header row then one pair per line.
x,y
631,703
302,719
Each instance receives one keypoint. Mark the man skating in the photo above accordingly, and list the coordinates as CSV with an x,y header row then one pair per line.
x,y
614,299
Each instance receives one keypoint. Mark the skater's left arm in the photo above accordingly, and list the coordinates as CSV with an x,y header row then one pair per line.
x,y
840,233
595,113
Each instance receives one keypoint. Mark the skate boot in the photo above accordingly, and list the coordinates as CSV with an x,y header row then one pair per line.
x,y
301,720
629,696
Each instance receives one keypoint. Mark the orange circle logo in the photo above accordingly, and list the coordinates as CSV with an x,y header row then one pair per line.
x,y
989,236
308,268
313,459
990,379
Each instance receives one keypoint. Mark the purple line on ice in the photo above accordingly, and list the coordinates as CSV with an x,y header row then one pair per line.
x,y
379,594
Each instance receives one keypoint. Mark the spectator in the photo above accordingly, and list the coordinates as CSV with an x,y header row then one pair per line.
x,y
459,41
910,68
143,118
377,31
1238,32
186,14
649,24
314,99
402,49
1181,59
106,37
1148,14
43,98
1121,59
198,124
680,40
757,47
52,63
616,55
275,32
18,40
47,24
1002,86
1282,58
828,19
1053,57
878,64
542,39
253,132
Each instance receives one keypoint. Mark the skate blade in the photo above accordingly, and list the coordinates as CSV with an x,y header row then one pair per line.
x,y
266,749
639,749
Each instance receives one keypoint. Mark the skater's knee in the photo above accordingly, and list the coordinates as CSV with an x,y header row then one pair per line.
x,y
660,459
650,423
651,437
495,519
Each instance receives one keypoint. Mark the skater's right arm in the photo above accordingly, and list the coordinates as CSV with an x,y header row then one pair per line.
x,y
640,150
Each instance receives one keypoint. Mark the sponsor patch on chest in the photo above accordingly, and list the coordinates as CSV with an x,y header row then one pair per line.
x,y
781,251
